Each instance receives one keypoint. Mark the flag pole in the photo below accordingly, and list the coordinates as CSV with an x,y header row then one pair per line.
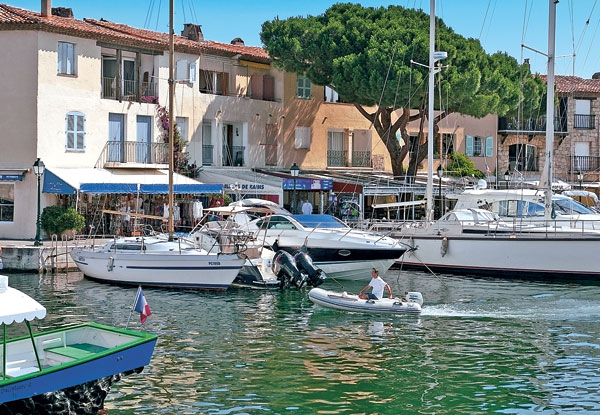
x,y
137,296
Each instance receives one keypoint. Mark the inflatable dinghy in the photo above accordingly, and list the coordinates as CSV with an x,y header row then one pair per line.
x,y
351,302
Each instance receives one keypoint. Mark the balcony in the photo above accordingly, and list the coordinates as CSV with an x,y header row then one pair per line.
x,y
585,121
361,159
233,156
133,154
337,158
508,125
522,164
207,155
584,163
129,91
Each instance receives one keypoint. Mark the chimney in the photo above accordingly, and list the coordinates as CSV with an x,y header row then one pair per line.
x,y
238,41
192,32
596,75
46,8
62,11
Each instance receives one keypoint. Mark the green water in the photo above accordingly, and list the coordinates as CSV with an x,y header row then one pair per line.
x,y
480,346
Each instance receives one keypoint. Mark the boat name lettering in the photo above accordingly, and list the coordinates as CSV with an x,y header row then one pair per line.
x,y
213,263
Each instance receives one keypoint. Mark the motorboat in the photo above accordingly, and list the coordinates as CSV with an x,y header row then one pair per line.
x,y
156,261
352,302
56,371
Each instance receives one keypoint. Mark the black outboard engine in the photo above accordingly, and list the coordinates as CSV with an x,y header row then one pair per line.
x,y
285,268
304,263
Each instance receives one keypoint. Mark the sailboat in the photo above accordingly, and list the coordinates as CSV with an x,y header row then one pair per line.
x,y
160,261
484,246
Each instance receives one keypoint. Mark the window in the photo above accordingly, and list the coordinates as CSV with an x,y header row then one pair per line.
x,y
447,144
336,150
413,143
182,125
213,82
522,157
302,137
7,202
207,147
331,95
583,115
66,58
473,146
303,87
185,71
75,131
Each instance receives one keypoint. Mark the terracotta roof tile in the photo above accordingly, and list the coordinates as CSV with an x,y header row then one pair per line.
x,y
567,84
13,18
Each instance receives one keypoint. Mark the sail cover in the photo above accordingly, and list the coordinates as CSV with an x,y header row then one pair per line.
x,y
16,306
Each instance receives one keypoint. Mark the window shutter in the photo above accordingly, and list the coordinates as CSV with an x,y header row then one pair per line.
x,y
225,83
256,86
268,88
181,69
61,57
302,138
70,59
469,146
193,77
489,146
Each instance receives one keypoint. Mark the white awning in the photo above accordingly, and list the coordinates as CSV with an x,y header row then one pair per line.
x,y
249,182
16,306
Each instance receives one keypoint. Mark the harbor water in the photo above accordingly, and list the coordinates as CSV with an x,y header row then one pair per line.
x,y
480,346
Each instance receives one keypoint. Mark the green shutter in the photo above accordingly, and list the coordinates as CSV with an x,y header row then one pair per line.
x,y
489,146
469,146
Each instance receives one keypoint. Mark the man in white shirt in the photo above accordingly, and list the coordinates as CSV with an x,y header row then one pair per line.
x,y
307,208
378,285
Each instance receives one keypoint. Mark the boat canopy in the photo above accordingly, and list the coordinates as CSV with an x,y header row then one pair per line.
x,y
16,306
319,221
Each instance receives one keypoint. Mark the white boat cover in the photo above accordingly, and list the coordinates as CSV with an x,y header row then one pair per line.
x,y
16,306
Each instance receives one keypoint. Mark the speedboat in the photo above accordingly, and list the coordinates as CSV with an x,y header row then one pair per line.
x,y
352,302
156,261
74,360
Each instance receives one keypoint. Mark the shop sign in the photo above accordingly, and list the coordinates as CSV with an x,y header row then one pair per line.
x,y
307,184
11,177
244,186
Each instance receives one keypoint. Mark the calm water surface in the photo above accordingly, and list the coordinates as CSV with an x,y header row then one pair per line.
x,y
480,346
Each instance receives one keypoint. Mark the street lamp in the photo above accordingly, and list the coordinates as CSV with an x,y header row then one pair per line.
x,y
580,178
294,170
440,174
38,170
506,178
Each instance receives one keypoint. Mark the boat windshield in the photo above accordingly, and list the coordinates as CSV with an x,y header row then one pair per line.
x,y
320,221
570,206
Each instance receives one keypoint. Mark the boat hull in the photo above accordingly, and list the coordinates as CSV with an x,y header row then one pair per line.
x,y
209,272
350,302
503,256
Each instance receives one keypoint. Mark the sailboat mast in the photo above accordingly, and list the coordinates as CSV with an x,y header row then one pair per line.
x,y
171,114
550,110
429,188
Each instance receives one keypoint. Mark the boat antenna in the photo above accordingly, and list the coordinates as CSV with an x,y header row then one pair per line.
x,y
171,109
429,188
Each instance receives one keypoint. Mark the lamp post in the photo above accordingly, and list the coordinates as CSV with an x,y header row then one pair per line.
x,y
38,170
440,174
294,170
580,178
506,178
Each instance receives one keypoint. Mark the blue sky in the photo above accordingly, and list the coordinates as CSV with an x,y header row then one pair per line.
x,y
499,24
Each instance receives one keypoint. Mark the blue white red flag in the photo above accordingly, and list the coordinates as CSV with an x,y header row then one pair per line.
x,y
141,306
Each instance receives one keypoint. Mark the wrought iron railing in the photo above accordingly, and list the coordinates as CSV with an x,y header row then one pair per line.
x,y
523,163
585,121
133,152
207,155
129,90
361,159
584,163
531,124
109,88
233,156
337,158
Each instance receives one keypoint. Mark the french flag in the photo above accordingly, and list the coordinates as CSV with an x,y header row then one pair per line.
x,y
141,306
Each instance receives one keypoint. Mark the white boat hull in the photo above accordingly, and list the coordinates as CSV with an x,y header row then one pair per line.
x,y
354,270
351,302
504,256
161,269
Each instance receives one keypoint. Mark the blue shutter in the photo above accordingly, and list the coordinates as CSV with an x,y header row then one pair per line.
x,y
61,57
116,137
70,58
143,139
489,146
469,146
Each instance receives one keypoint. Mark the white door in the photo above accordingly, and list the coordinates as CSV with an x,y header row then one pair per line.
x,y
582,156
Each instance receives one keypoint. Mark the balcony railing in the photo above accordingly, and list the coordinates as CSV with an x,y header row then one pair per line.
x,y
532,125
584,163
523,163
585,121
134,152
233,156
129,90
207,155
361,159
337,158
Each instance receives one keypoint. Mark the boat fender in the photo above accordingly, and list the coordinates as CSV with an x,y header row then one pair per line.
x,y
444,247
415,297
111,263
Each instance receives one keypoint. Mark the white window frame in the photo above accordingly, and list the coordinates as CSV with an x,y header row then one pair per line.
x,y
303,87
66,58
182,123
75,131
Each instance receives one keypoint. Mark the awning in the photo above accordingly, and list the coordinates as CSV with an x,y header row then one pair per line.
x,y
103,181
248,182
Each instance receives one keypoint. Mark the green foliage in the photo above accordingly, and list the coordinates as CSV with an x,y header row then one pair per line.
x,y
181,158
462,166
56,220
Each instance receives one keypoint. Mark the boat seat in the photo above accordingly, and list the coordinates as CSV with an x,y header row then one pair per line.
x,y
77,351
13,372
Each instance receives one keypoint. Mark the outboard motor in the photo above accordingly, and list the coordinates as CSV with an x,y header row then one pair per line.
x,y
415,297
285,268
304,263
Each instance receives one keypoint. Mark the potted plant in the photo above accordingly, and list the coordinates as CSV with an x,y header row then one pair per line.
x,y
58,220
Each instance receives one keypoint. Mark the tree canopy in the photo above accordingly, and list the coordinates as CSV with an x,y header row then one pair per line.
x,y
365,54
